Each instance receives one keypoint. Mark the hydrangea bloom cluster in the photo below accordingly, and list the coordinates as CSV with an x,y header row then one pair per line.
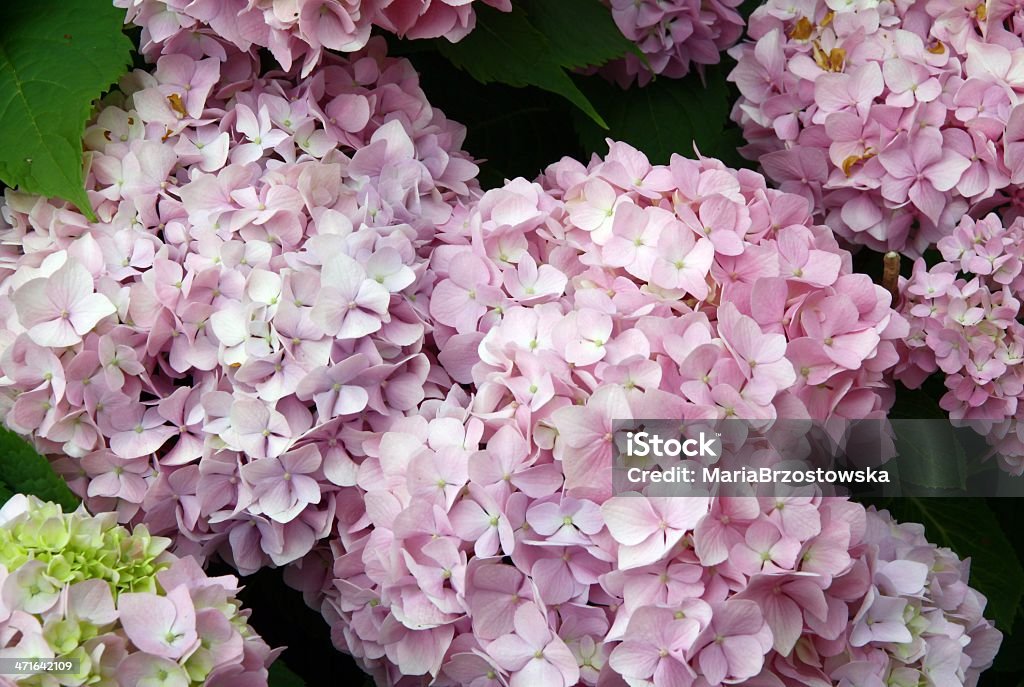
x,y
78,587
964,316
480,544
893,118
257,277
295,31
690,287
673,36
474,566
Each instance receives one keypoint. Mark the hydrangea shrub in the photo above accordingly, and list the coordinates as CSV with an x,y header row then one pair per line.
x,y
893,118
79,587
299,334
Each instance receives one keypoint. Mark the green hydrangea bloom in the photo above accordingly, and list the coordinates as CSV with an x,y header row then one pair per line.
x,y
78,546
51,560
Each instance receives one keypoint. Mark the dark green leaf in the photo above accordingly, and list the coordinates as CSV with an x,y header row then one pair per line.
x,y
1011,653
970,528
511,131
56,57
281,676
921,403
506,48
581,33
930,454
667,116
24,471
747,8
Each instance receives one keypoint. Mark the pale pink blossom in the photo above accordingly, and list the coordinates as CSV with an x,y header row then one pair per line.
x,y
533,654
60,309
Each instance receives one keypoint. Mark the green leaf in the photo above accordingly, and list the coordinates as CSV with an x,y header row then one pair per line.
x,y
511,131
281,676
1011,653
970,528
747,8
581,33
921,403
24,471
930,454
56,57
666,116
506,48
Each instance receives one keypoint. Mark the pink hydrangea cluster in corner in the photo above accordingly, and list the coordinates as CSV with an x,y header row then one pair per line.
x,y
259,275
294,31
894,118
673,35
480,545
965,323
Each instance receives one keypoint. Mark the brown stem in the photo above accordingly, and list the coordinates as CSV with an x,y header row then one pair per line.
x,y
891,274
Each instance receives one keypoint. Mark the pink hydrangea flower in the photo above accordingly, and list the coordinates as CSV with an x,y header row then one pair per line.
x,y
672,616
894,120
295,32
674,36
258,280
968,331
478,541
59,309
533,654
657,648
